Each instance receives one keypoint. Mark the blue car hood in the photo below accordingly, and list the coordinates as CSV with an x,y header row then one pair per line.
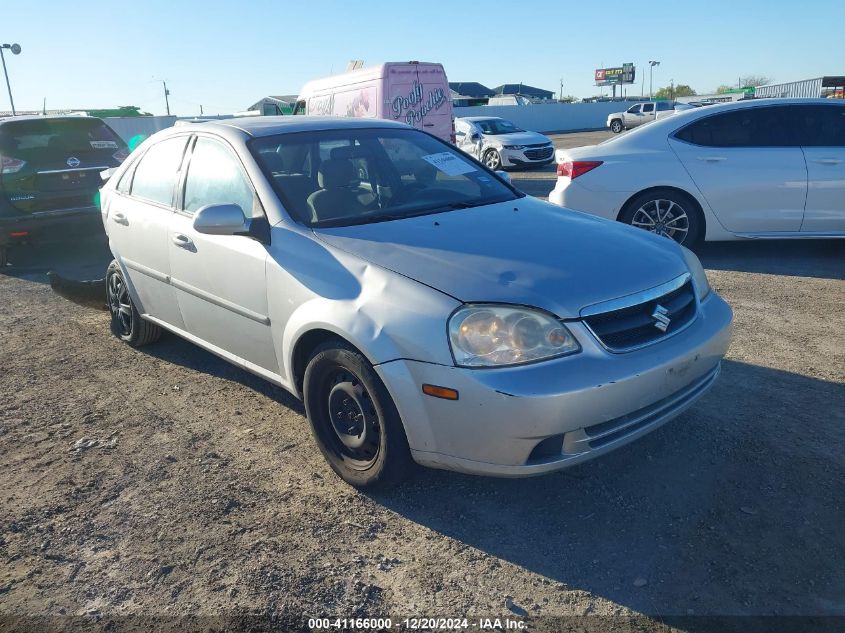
x,y
524,252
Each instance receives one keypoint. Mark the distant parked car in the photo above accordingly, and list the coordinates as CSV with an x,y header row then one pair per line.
x,y
767,168
499,144
422,308
50,176
639,114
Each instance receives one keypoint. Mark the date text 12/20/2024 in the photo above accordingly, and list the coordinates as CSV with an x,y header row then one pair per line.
x,y
414,624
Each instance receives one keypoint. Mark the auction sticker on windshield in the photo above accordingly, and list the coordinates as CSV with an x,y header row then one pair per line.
x,y
449,164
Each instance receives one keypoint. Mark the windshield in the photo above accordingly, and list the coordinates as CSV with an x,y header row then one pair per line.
x,y
497,126
354,176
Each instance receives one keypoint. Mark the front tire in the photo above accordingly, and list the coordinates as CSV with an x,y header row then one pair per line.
x,y
353,419
126,321
616,126
492,160
666,212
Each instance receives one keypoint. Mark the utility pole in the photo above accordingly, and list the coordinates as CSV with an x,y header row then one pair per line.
x,y
651,79
560,97
166,94
16,50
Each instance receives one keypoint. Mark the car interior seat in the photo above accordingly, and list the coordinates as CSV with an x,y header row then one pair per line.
x,y
337,196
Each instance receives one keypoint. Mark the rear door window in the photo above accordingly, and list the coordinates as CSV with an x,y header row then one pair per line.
x,y
648,107
818,125
749,127
158,170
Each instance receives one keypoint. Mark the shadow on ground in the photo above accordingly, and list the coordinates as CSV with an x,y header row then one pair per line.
x,y
824,259
675,509
178,351
79,258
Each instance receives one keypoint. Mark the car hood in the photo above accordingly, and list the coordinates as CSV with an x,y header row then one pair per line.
x,y
518,138
524,252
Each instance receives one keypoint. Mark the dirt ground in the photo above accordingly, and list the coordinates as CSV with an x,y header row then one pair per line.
x,y
166,482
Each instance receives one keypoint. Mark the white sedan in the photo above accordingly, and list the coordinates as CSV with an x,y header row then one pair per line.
x,y
767,168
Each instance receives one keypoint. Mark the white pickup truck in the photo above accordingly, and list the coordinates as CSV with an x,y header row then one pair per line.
x,y
638,114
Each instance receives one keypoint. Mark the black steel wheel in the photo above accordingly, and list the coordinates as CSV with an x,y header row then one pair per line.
x,y
353,418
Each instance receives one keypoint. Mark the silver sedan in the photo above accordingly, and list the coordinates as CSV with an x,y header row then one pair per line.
x,y
423,308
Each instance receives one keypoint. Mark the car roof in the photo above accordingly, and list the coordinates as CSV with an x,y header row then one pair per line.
x,y
42,117
269,125
662,127
473,119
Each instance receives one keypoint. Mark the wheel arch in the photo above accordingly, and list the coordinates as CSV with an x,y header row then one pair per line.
x,y
702,216
303,350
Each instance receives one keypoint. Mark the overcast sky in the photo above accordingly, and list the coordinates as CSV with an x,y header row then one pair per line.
x,y
227,55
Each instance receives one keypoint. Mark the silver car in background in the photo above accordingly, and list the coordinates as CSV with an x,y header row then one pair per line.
x,y
500,144
422,308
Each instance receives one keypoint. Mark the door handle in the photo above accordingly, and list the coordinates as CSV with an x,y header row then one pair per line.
x,y
120,218
828,161
712,159
182,241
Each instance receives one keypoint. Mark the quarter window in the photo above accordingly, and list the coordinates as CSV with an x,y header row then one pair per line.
x,y
158,171
749,127
215,177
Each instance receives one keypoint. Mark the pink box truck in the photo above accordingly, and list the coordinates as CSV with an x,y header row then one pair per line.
x,y
416,93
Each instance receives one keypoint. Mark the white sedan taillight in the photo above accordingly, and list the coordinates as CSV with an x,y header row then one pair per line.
x,y
574,168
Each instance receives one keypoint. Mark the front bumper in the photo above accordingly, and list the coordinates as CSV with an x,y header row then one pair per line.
x,y
49,225
538,418
518,158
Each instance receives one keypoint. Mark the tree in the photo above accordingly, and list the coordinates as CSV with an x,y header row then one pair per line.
x,y
723,89
668,92
752,81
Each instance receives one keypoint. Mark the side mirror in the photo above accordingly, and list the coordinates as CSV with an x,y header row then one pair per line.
x,y
475,136
229,219
504,176
220,219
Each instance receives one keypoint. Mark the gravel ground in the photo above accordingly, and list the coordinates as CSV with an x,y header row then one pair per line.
x,y
166,482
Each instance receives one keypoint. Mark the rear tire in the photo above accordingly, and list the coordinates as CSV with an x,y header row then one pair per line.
x,y
126,321
616,126
353,418
667,212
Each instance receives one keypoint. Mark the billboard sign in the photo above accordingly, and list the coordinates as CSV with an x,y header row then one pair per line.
x,y
623,74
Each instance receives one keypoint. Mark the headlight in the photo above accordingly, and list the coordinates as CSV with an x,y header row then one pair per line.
x,y
485,335
514,146
699,277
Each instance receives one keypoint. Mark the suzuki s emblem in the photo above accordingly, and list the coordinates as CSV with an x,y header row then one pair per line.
x,y
661,321
73,161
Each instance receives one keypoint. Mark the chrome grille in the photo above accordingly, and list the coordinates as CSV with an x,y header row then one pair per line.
x,y
539,154
650,320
